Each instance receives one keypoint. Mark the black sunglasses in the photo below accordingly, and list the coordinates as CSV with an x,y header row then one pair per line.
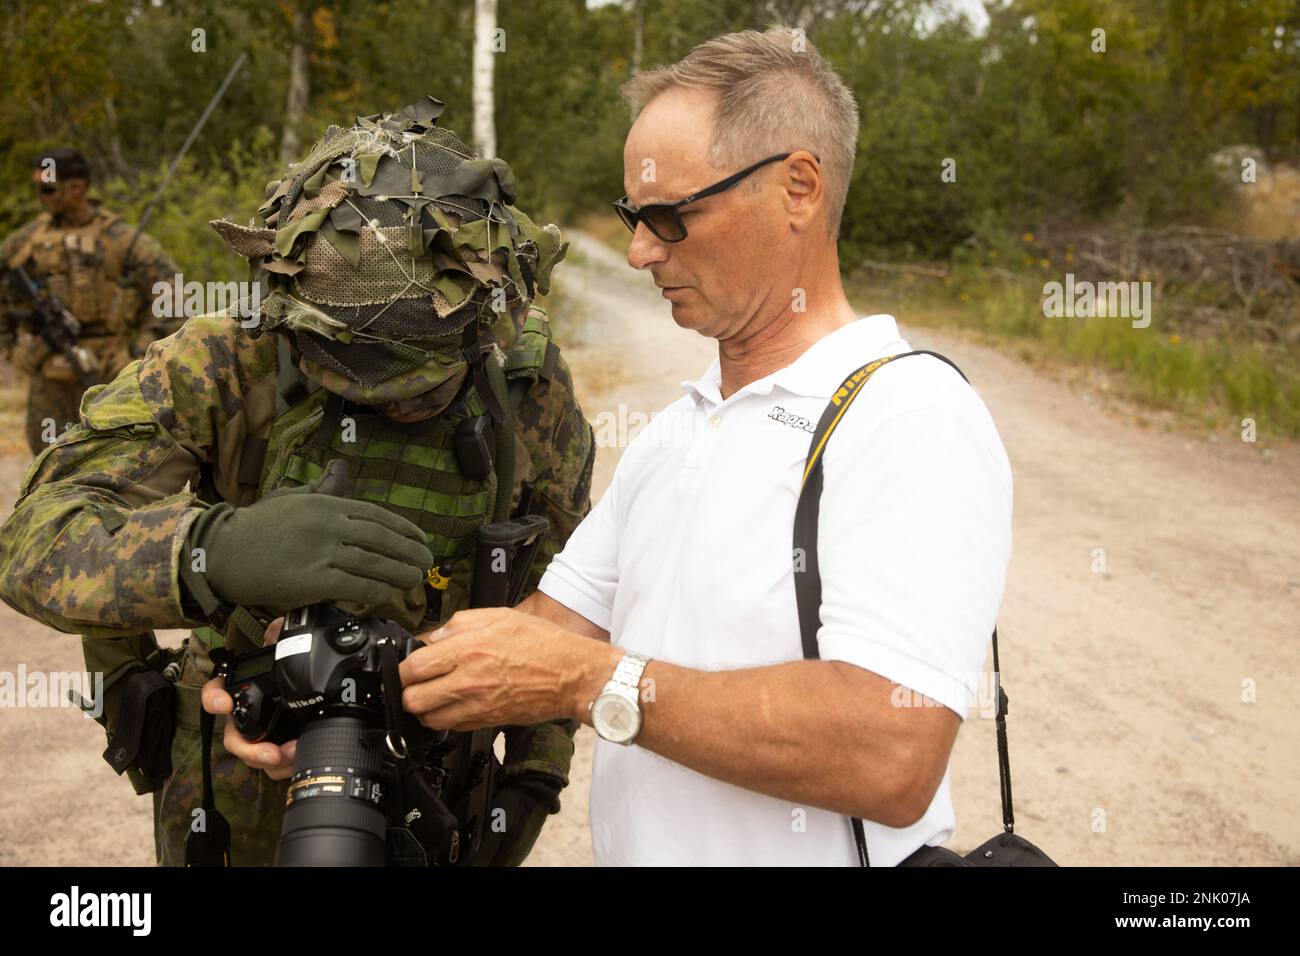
x,y
663,218
47,188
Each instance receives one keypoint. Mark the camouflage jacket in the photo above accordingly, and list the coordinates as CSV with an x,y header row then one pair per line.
x,y
95,541
87,267
99,528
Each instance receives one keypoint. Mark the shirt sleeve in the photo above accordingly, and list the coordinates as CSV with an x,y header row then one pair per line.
x,y
914,538
584,575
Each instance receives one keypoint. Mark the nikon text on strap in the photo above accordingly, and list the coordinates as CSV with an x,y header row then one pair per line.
x,y
808,584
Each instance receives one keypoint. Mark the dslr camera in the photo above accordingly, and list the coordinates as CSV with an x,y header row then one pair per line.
x,y
365,773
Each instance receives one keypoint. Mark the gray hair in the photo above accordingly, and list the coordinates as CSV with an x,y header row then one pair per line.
x,y
775,94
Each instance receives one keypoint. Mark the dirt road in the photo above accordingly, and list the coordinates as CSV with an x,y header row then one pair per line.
x,y
1150,629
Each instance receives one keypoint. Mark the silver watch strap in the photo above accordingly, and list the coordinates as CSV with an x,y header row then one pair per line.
x,y
629,670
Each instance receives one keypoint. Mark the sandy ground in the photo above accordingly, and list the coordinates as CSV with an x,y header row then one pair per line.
x,y
1153,717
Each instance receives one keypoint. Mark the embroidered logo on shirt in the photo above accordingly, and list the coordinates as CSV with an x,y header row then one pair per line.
x,y
779,414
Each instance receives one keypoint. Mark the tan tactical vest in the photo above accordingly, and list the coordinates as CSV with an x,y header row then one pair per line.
x,y
80,266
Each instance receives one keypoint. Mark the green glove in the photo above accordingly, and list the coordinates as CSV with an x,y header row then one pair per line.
x,y
519,810
301,546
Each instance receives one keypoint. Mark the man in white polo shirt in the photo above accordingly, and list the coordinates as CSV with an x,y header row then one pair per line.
x,y
669,619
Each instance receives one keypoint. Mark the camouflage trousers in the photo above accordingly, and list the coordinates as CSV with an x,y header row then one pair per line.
x,y
251,802
52,399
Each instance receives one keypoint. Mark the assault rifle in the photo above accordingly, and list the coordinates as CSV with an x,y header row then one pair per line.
x,y
55,324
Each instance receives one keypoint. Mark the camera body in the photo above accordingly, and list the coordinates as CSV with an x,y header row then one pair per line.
x,y
359,757
325,664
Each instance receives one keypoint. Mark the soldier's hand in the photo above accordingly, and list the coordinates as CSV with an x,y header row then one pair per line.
x,y
304,546
29,352
276,760
518,813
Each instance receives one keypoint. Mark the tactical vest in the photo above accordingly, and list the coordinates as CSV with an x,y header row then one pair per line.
x,y
409,469
79,266
414,470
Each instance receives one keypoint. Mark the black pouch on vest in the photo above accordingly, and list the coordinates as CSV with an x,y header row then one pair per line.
x,y
119,658
143,740
504,552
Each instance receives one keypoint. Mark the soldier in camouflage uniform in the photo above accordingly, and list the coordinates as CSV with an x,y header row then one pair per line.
x,y
400,281
86,256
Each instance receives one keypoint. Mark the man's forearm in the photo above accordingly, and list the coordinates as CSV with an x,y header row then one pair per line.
x,y
821,733
816,733
93,544
547,608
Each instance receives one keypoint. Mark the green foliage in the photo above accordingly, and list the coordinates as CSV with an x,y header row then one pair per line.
x,y
1219,381
1045,125
1042,125
232,189
1044,128
559,119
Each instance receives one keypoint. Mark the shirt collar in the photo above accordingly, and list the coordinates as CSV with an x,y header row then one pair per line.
x,y
820,369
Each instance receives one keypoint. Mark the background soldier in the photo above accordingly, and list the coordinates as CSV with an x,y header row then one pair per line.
x,y
79,250
400,281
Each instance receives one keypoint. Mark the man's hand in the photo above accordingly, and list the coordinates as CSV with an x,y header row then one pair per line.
x,y
277,761
491,667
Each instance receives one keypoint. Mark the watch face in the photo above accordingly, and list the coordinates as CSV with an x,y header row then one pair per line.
x,y
615,718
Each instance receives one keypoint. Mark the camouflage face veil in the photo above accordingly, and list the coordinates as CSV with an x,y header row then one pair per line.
x,y
388,251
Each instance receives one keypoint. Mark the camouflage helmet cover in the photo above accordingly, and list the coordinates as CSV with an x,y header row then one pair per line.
x,y
388,248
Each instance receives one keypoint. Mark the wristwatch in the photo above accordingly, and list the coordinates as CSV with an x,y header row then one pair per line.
x,y
616,711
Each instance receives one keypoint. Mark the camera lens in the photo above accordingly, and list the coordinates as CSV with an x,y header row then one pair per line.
x,y
335,810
